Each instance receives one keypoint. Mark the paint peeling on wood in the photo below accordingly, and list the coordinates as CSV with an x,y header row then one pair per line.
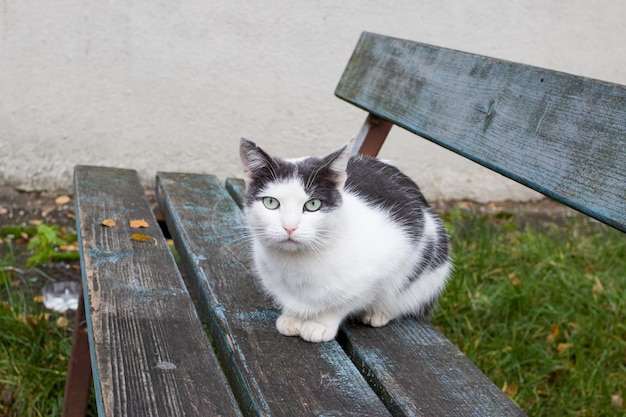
x,y
141,320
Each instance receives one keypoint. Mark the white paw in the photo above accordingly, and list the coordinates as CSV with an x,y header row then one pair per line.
x,y
288,325
313,331
375,319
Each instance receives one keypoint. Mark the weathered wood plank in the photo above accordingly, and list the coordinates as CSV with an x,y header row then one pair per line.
x,y
150,354
274,375
415,370
236,187
560,134
418,372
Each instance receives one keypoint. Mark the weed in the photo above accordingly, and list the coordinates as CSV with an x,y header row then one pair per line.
x,y
46,245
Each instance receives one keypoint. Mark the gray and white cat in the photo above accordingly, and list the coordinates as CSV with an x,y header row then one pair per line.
x,y
341,236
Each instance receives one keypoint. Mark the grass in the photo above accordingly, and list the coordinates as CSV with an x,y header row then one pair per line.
x,y
34,350
35,343
540,309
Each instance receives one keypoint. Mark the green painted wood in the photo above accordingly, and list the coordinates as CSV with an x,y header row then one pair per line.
x,y
415,370
271,374
236,187
150,355
560,134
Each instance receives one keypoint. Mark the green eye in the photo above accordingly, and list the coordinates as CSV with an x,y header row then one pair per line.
x,y
271,203
313,205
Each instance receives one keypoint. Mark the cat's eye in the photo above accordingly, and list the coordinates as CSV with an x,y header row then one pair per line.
x,y
313,205
271,203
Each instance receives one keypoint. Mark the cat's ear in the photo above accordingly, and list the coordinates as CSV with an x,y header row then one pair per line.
x,y
253,158
338,162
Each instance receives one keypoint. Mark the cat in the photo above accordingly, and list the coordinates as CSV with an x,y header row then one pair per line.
x,y
341,236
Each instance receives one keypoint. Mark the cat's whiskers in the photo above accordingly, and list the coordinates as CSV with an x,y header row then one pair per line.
x,y
376,246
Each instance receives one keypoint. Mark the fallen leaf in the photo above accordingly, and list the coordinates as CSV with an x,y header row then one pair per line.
x,y
598,288
142,238
136,224
108,223
62,200
70,248
554,333
515,280
62,321
45,212
33,319
562,347
510,390
35,222
38,299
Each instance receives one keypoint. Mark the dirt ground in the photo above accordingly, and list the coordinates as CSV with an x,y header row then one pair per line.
x,y
20,208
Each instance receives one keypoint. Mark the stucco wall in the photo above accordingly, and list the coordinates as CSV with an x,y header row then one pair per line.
x,y
173,85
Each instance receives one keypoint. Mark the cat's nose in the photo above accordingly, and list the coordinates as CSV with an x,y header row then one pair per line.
x,y
289,230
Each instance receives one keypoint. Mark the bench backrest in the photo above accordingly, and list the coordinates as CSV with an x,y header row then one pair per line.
x,y
560,134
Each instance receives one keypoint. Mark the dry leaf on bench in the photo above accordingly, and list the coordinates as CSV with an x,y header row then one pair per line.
x,y
142,238
136,224
108,223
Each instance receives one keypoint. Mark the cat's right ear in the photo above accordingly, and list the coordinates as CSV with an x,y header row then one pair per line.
x,y
253,158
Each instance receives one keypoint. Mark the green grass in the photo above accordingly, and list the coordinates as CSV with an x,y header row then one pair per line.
x,y
541,310
34,349
35,343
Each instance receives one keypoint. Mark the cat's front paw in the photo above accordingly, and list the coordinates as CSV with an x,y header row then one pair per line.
x,y
313,331
375,319
288,325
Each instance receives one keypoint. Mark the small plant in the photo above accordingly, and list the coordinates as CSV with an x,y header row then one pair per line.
x,y
51,244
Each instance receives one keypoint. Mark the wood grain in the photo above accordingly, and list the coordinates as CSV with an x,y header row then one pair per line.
x,y
560,134
272,374
150,354
418,372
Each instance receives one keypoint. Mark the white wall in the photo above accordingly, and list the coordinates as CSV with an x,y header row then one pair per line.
x,y
172,85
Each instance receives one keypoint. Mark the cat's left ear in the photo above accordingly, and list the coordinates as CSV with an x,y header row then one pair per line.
x,y
338,162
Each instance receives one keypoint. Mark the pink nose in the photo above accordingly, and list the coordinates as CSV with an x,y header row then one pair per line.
x,y
289,230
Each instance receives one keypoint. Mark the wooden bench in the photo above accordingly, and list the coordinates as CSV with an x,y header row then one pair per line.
x,y
560,134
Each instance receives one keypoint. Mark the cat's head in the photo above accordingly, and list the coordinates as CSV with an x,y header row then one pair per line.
x,y
293,204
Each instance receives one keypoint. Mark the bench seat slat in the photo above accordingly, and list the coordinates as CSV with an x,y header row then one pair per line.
x,y
150,354
417,371
560,134
275,375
